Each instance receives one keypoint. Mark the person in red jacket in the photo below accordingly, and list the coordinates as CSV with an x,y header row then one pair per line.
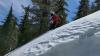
x,y
54,21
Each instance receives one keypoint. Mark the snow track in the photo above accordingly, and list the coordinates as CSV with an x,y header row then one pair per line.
x,y
77,38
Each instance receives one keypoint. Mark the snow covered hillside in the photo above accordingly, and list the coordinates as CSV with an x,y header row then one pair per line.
x,y
78,38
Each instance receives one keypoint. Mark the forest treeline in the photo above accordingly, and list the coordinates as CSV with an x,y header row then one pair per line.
x,y
35,21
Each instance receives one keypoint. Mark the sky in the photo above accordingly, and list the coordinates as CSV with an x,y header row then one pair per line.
x,y
72,5
72,8
18,11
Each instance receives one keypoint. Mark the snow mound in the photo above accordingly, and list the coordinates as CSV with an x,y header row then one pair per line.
x,y
78,38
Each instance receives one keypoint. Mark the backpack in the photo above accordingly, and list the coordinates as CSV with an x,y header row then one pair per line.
x,y
56,19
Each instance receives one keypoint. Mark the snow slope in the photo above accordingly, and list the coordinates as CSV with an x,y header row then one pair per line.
x,y
78,38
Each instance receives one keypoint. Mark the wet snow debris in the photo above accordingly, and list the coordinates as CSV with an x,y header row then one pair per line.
x,y
54,42
39,49
98,24
60,40
74,37
26,50
67,32
63,41
46,45
44,48
90,31
28,54
43,42
74,28
54,37
32,50
87,23
63,36
70,32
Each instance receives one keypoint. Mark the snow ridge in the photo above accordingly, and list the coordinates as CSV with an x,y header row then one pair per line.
x,y
76,30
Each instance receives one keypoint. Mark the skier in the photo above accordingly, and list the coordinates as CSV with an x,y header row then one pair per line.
x,y
46,1
54,21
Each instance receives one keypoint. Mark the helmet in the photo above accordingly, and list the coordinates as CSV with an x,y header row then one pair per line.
x,y
52,12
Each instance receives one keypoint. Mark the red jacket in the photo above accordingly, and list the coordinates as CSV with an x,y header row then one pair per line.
x,y
55,19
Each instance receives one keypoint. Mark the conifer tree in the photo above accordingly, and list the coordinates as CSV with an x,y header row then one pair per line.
x,y
9,37
97,4
92,8
83,9
45,8
61,10
25,32
43,14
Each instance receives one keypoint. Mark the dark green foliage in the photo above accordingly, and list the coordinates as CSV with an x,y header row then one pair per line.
x,y
25,28
55,5
61,11
83,9
29,31
12,36
97,4
43,24
43,16
9,34
92,8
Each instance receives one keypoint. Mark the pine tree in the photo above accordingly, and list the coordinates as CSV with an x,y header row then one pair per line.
x,y
97,4
9,37
61,10
43,14
92,8
25,26
45,8
83,9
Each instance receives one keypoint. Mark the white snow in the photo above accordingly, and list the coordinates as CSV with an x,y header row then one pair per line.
x,y
78,38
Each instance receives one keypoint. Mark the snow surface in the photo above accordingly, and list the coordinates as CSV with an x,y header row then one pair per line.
x,y
78,38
